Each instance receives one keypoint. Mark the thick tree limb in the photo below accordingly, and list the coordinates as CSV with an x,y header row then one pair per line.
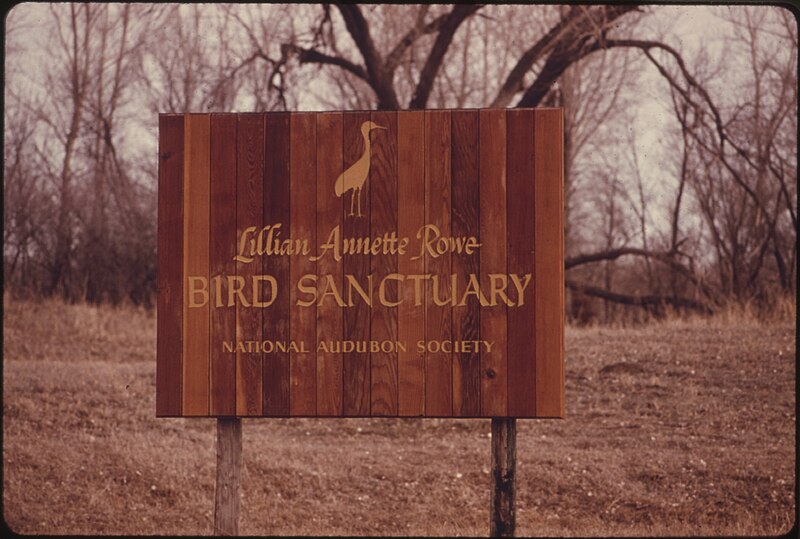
x,y
652,301
377,76
312,56
379,73
611,254
419,29
578,24
448,29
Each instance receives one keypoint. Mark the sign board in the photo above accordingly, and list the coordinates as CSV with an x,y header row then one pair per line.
x,y
361,264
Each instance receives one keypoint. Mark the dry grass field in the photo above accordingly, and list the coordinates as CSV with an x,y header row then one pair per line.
x,y
675,428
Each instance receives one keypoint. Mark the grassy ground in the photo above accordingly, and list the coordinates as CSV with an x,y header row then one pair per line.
x,y
678,428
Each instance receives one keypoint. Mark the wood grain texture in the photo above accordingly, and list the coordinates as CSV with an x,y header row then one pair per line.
x,y
521,214
496,175
494,365
303,320
227,499
410,216
549,266
169,325
196,320
275,318
356,318
465,214
383,220
438,321
329,216
249,213
502,500
222,250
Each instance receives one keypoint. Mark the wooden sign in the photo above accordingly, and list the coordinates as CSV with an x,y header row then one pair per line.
x,y
361,264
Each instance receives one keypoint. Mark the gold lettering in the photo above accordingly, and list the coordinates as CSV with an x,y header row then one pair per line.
x,y
272,246
353,283
273,290
472,245
242,256
520,286
424,233
473,289
193,291
382,290
417,278
218,291
501,291
260,249
332,243
307,289
331,290
235,287
436,299
435,245
401,248
355,246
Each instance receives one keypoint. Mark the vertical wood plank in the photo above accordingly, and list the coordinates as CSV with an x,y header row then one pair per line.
x,y
170,265
356,392
438,365
494,371
249,213
410,217
222,250
329,313
465,214
549,249
275,318
303,215
383,219
522,334
196,319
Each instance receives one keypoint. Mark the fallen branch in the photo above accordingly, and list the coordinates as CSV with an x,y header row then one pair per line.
x,y
664,257
656,302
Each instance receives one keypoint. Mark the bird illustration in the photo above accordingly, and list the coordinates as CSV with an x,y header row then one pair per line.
x,y
354,177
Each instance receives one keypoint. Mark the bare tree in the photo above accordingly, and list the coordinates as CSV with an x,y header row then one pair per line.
x,y
722,222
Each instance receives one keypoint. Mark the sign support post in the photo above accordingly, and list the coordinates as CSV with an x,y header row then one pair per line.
x,y
502,517
229,474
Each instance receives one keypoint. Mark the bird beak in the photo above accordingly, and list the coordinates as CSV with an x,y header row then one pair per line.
x,y
379,127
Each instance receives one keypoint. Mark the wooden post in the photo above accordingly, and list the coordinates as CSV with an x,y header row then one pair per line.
x,y
229,473
504,467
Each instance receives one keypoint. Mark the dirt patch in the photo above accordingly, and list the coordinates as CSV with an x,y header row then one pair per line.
x,y
671,429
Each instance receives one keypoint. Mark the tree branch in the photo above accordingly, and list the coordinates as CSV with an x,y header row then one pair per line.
x,y
448,29
653,301
667,258
578,23
377,76
306,56
419,29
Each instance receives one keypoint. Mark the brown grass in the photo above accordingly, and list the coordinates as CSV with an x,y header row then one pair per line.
x,y
676,428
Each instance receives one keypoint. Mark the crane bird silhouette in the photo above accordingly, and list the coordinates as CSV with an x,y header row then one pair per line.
x,y
354,178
